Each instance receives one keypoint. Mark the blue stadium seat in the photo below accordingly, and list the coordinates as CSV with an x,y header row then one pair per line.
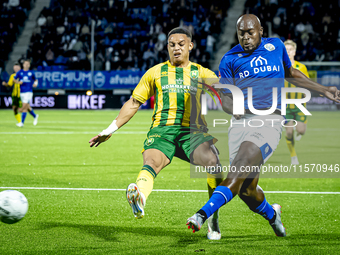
x,y
107,41
113,42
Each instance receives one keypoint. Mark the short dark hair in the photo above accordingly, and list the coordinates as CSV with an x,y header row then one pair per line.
x,y
180,30
16,64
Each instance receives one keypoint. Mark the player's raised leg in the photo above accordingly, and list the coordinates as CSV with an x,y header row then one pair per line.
x,y
137,193
206,155
230,187
252,194
248,155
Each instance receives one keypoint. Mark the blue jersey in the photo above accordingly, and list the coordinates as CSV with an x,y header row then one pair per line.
x,y
28,78
262,70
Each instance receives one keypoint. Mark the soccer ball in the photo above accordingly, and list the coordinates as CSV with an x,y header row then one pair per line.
x,y
13,206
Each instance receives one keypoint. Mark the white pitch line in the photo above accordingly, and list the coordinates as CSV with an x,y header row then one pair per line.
x,y
173,190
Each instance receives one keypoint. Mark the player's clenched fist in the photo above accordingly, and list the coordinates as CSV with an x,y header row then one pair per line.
x,y
98,139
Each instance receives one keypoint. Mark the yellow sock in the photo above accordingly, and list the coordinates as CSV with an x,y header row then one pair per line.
x,y
145,180
290,144
212,184
18,117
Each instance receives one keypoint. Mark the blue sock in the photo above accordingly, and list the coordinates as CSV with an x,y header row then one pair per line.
x,y
265,209
220,196
32,113
23,117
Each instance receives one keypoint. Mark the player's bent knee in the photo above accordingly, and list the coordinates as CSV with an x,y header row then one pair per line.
x,y
211,160
301,131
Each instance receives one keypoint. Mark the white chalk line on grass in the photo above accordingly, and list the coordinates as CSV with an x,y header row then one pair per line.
x,y
118,132
174,190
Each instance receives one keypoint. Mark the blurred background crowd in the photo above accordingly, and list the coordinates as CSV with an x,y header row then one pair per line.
x,y
132,34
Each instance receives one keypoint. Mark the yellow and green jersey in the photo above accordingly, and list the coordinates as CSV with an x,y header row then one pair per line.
x,y
177,92
16,87
293,95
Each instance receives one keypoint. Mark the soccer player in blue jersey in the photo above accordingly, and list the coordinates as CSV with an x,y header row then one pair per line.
x,y
27,82
260,63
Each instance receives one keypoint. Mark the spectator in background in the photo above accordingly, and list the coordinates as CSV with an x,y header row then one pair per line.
x,y
130,25
49,57
210,44
99,61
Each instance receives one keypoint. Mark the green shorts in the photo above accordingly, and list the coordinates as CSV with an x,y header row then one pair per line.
x,y
176,141
296,114
16,101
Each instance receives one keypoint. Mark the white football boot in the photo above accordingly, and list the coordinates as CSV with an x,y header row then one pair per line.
x,y
294,160
136,200
277,225
20,124
195,222
214,232
35,121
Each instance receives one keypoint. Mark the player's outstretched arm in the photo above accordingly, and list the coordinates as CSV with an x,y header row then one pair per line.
x,y
297,78
128,110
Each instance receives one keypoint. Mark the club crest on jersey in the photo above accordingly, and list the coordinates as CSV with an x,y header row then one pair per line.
x,y
194,74
149,141
269,47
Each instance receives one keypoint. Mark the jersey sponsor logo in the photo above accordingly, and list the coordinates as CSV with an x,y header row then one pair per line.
x,y
259,65
258,61
269,47
29,74
179,81
25,79
194,74
165,73
178,88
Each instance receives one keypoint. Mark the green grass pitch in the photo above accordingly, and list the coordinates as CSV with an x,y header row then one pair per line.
x,y
56,153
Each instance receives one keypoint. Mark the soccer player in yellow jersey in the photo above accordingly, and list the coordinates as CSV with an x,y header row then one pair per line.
x,y
16,102
172,133
293,112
